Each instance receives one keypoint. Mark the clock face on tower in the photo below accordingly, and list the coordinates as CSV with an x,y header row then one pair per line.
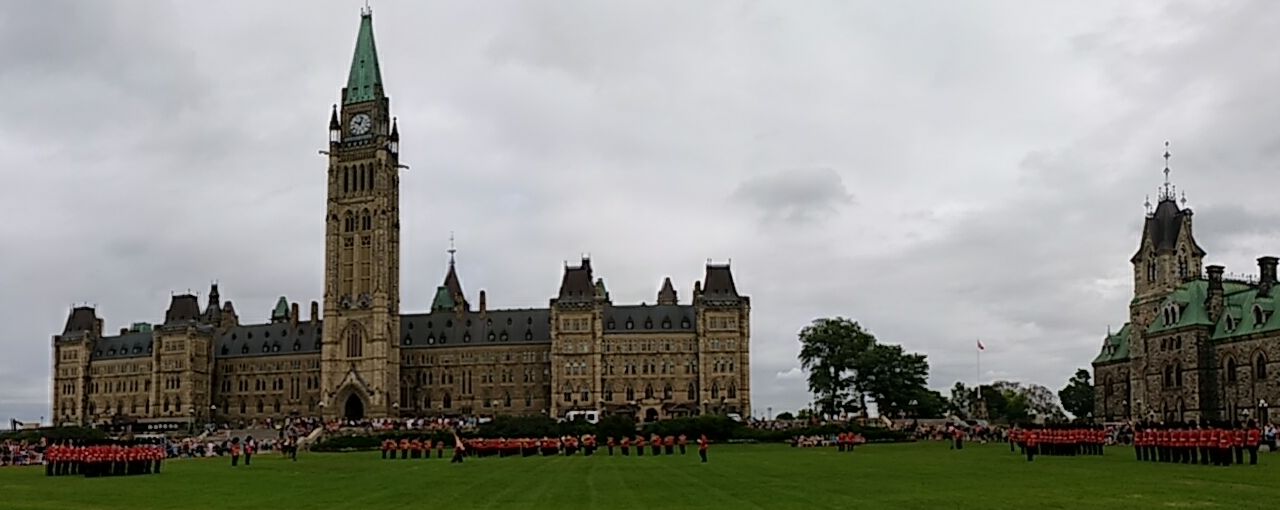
x,y
360,124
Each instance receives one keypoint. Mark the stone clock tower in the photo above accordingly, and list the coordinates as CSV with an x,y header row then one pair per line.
x,y
360,354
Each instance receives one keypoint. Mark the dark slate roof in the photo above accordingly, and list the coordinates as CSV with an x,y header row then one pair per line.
x,y
81,318
454,286
133,344
576,284
719,282
1164,226
667,295
498,327
649,319
182,308
277,339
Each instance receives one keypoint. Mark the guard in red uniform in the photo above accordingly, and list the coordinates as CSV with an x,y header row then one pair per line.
x,y
1253,437
702,447
1237,443
610,443
682,441
626,446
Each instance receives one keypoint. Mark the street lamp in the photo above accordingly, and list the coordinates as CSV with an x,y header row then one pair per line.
x,y
1263,416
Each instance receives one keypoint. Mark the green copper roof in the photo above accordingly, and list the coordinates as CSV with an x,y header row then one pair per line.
x,y
282,309
365,78
1239,318
443,300
1115,347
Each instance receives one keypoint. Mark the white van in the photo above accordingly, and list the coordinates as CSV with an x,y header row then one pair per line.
x,y
592,417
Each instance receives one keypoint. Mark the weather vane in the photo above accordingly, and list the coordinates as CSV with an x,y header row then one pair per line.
x,y
452,250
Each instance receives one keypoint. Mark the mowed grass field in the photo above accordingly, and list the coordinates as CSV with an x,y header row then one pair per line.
x,y
920,475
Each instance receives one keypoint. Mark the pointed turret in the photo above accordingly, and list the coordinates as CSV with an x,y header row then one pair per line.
x,y
364,82
451,283
213,311
667,296
281,311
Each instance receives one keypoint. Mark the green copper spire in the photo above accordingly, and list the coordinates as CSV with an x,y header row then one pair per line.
x,y
281,312
365,81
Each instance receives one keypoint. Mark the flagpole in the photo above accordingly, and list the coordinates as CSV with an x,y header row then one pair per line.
x,y
977,374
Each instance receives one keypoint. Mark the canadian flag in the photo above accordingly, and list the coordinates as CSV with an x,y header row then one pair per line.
x,y
980,346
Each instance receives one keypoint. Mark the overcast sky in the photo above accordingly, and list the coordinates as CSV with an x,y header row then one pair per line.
x,y
939,171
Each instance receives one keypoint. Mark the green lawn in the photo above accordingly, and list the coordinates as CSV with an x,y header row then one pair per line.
x,y
924,475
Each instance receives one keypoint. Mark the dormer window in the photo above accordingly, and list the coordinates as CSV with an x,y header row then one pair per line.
x,y
1231,323
630,325
244,350
528,335
1259,316
611,324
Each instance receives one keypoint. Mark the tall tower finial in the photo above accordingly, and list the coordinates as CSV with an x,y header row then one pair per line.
x,y
452,250
367,10
1167,192
1146,204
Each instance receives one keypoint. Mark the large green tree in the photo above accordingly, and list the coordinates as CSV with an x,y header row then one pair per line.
x,y
1077,395
829,352
894,379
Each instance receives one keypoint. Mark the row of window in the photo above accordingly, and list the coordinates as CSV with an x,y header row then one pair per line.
x,y
357,178
302,330
466,338
569,394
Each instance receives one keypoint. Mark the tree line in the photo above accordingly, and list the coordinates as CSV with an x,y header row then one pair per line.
x,y
848,369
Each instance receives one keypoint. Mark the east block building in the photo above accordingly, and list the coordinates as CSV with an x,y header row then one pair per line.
x,y
1199,345
358,355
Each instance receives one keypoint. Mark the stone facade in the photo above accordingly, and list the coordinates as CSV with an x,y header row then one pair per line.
x,y
358,355
1199,345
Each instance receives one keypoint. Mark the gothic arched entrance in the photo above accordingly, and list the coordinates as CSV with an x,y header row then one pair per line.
x,y
651,415
354,408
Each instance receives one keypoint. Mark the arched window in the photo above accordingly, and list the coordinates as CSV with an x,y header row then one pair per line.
x,y
1168,376
1260,368
260,407
346,180
586,394
733,390
277,406
648,391
631,393
1231,370
366,222
715,390
692,392
608,393
568,394
528,400
506,399
667,392
355,340
1177,375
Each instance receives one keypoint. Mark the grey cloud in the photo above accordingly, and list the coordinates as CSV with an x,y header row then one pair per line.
x,y
795,196
1000,156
